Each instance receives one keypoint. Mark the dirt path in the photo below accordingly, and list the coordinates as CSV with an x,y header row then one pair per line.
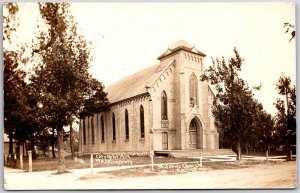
x,y
272,175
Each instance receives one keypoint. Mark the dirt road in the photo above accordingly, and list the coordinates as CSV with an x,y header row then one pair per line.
x,y
271,175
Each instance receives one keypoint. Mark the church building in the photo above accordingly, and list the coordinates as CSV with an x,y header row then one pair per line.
x,y
163,107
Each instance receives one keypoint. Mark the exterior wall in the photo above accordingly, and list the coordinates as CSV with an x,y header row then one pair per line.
x,y
174,80
165,83
207,137
134,143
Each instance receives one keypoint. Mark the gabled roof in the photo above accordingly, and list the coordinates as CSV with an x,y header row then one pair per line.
x,y
180,45
134,84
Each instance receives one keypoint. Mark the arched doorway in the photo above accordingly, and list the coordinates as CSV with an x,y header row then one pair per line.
x,y
193,134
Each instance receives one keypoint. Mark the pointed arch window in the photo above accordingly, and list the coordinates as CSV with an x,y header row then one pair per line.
x,y
193,90
142,122
126,125
113,127
102,129
164,106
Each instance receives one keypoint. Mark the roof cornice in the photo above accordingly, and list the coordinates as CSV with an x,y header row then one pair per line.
x,y
172,51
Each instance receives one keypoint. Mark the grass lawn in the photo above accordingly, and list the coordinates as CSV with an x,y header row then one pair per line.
x,y
147,171
43,164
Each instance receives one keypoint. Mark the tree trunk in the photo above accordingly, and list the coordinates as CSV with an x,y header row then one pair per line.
x,y
238,150
61,156
34,155
289,153
53,143
71,139
11,142
267,152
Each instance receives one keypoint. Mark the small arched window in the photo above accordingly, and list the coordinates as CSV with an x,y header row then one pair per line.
x,y
102,129
113,127
126,125
142,122
193,90
164,106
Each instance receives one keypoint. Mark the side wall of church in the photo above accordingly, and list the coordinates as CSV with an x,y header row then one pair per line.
x,y
135,142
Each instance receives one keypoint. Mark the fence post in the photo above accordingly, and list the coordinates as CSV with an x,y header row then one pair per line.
x,y
5,159
9,162
21,161
151,156
15,161
30,161
92,164
200,159
21,156
267,155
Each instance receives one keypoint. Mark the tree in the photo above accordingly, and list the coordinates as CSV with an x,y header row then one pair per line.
x,y
61,79
13,77
95,102
234,108
43,139
265,130
286,113
290,27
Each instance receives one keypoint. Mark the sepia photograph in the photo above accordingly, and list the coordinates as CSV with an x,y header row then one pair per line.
x,y
149,95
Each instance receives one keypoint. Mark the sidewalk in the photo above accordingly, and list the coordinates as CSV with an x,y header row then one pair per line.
x,y
16,178
231,158
8,170
274,175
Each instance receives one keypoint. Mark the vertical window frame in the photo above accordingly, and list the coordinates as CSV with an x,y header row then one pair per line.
x,y
113,127
93,130
84,131
102,129
126,125
142,122
164,106
193,89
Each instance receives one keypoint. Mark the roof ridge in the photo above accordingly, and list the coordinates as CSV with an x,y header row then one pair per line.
x,y
132,85
180,45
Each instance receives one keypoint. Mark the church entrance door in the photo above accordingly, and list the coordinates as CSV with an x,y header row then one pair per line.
x,y
164,140
193,134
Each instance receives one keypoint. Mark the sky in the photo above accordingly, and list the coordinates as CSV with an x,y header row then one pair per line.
x,y
128,37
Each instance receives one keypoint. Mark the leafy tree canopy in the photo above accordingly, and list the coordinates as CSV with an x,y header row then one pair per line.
x,y
234,107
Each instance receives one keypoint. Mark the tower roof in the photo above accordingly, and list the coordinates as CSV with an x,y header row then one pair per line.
x,y
180,45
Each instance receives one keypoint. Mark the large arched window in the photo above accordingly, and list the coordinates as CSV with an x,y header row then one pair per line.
x,y
164,106
113,127
142,122
102,129
193,90
126,125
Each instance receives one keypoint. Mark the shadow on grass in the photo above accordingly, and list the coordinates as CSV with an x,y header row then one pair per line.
x,y
60,173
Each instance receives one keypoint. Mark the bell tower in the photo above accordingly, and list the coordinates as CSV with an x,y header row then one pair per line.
x,y
190,93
